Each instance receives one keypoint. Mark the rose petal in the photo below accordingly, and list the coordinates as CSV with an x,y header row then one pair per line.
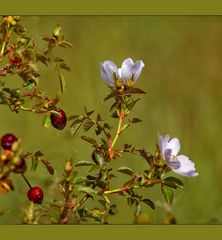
x,y
174,145
107,68
187,168
130,69
163,141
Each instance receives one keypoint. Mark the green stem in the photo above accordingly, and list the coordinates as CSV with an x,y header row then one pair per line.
x,y
119,190
118,131
5,41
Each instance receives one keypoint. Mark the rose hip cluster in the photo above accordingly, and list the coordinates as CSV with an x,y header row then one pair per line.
x,y
12,159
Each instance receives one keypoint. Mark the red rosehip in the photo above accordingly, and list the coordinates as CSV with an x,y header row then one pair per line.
x,y
20,166
8,140
58,122
35,195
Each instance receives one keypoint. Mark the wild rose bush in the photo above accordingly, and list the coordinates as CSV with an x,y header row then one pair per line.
x,y
20,57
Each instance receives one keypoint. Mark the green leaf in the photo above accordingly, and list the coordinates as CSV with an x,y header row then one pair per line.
x,y
63,83
88,124
89,113
74,176
64,66
84,163
75,125
149,203
98,118
49,166
111,95
126,170
136,120
65,44
42,58
132,104
46,121
173,182
168,194
138,209
135,90
58,59
89,140
102,202
98,157
130,201
80,179
87,190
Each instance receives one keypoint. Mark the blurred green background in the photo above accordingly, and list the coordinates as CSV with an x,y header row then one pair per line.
x,y
183,81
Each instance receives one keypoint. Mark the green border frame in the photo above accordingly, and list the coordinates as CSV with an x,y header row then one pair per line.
x,y
111,7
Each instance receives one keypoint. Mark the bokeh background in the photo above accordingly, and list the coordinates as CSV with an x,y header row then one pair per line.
x,y
183,81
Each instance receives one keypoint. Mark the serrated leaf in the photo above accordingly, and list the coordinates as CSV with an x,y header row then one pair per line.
x,y
168,194
126,170
173,182
49,166
46,122
149,203
63,83
88,124
84,163
89,140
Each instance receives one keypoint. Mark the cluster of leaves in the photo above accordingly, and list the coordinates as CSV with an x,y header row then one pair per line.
x,y
20,57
